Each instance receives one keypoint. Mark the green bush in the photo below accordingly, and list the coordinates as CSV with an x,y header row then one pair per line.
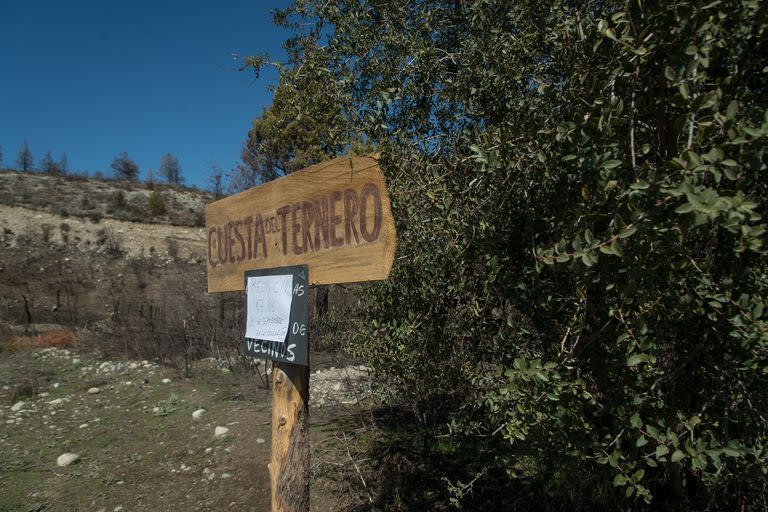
x,y
117,201
156,204
578,300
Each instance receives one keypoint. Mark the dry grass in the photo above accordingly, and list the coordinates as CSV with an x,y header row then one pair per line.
x,y
57,338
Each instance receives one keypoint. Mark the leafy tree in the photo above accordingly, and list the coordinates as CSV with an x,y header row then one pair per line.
x,y
578,190
171,170
48,165
125,168
301,127
24,160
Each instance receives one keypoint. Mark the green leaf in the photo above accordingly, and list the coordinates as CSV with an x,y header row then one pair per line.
x,y
684,208
620,480
636,359
661,450
677,456
641,441
627,231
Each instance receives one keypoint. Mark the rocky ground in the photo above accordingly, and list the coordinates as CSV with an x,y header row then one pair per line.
x,y
81,433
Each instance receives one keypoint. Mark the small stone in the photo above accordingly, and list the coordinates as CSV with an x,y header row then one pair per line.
x,y
18,406
94,391
260,440
156,410
211,475
66,459
166,381
84,425
118,508
120,482
56,402
206,471
221,431
207,450
198,414
226,475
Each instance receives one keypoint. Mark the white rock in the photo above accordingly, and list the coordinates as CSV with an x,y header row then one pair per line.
x,y
166,381
206,471
18,406
84,425
118,508
226,475
198,414
133,365
211,475
94,391
221,431
207,450
66,459
260,440
56,402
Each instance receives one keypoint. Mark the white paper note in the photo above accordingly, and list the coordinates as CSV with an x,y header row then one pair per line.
x,y
269,307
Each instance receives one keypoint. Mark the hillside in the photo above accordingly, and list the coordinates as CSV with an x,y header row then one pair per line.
x,y
75,196
143,330
74,257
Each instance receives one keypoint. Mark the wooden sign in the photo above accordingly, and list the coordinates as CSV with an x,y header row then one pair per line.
x,y
334,217
276,314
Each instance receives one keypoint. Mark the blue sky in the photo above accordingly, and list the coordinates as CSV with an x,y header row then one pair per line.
x,y
93,79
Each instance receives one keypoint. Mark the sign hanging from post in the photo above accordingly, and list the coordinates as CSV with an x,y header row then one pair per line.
x,y
334,217
276,312
329,223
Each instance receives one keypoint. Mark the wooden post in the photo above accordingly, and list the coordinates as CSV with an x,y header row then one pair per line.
x,y
289,468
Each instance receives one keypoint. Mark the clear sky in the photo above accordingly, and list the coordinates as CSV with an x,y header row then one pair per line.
x,y
95,78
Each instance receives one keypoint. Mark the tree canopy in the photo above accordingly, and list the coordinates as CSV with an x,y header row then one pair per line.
x,y
125,168
580,289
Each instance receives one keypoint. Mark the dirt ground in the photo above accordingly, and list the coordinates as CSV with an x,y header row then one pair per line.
x,y
139,446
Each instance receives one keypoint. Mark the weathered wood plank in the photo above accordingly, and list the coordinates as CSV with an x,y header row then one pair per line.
x,y
334,217
289,466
